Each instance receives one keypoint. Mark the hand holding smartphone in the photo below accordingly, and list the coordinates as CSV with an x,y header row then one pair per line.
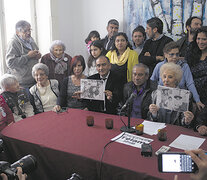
x,y
176,162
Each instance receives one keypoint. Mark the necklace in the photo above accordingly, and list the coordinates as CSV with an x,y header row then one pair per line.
x,y
42,90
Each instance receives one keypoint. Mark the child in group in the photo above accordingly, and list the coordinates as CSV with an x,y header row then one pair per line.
x,y
96,50
93,35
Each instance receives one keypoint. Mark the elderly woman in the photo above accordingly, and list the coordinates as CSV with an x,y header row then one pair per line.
x,y
171,54
69,92
45,92
197,60
17,99
171,75
57,61
122,57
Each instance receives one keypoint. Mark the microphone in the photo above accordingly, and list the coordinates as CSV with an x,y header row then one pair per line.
x,y
129,101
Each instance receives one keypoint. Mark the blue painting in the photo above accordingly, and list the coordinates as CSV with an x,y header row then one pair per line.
x,y
173,13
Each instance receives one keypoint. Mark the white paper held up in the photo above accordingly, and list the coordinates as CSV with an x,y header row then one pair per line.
x,y
92,89
151,128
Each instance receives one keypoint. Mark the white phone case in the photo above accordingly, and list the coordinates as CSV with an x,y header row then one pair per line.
x,y
162,149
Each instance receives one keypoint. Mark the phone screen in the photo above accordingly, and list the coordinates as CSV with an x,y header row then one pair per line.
x,y
176,163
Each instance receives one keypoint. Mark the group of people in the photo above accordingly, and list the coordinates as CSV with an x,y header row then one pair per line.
x,y
36,83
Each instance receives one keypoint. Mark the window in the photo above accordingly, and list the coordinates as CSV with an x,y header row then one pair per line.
x,y
13,11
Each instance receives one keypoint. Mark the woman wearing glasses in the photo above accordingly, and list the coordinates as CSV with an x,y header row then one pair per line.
x,y
171,54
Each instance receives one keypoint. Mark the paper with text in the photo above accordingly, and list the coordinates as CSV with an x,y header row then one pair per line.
x,y
131,139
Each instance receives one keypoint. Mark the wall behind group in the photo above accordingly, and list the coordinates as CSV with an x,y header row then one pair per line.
x,y
72,20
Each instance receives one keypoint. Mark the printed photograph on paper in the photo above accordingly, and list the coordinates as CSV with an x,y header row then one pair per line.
x,y
173,98
92,89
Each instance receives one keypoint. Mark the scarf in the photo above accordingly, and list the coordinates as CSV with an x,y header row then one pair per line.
x,y
61,63
27,43
123,59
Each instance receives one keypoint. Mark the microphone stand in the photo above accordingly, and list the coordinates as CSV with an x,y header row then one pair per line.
x,y
128,128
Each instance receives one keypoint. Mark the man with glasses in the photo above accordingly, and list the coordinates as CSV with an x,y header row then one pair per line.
x,y
22,54
171,54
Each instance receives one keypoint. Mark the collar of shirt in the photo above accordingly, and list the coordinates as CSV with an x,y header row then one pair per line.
x,y
160,36
104,78
142,88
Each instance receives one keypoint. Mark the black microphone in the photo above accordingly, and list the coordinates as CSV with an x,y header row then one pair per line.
x,y
129,101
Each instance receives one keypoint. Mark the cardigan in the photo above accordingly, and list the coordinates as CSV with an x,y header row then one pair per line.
x,y
132,60
18,62
36,99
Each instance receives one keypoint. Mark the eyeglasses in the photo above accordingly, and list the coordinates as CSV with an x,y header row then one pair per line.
x,y
174,54
26,30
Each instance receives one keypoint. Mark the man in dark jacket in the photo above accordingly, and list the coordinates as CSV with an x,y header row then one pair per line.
x,y
192,25
112,28
141,87
152,52
113,88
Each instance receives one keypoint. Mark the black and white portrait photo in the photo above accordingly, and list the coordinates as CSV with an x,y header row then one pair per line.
x,y
172,98
92,89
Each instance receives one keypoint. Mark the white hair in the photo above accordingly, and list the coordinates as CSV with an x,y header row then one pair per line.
x,y
175,68
40,66
7,80
57,43
22,25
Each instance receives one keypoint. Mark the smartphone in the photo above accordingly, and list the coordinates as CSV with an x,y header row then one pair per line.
x,y
176,162
163,149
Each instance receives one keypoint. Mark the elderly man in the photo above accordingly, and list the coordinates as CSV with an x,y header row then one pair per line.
x,y
152,52
112,28
141,87
192,25
113,89
17,99
22,54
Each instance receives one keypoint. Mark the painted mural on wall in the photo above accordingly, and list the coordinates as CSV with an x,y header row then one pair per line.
x,y
173,13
